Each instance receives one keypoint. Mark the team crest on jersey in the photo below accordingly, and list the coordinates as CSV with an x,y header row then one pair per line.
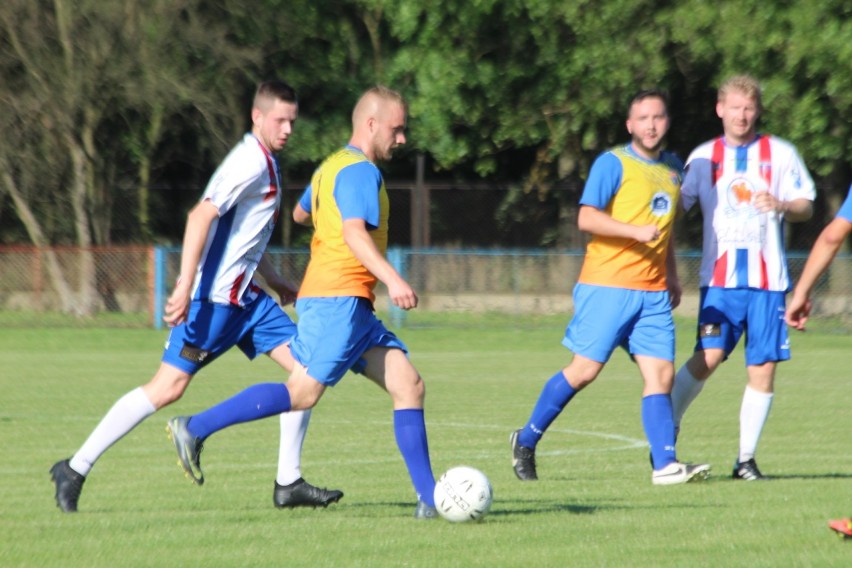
x,y
661,204
739,195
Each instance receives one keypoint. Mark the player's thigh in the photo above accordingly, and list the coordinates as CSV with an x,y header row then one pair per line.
x,y
653,333
390,368
603,318
210,330
266,329
282,356
330,338
766,339
721,319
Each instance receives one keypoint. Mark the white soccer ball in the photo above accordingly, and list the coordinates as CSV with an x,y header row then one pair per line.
x,y
463,494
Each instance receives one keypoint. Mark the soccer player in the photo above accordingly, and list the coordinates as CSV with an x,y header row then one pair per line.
x,y
337,329
216,303
823,252
626,289
747,185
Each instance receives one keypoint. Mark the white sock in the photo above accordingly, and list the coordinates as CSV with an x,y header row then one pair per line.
x,y
294,426
125,414
685,389
753,414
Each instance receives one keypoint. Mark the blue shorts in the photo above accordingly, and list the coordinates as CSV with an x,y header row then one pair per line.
x,y
211,329
334,333
605,318
727,313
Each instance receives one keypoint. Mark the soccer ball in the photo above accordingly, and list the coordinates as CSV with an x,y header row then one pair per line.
x,y
463,494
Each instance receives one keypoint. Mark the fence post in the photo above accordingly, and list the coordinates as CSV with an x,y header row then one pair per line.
x,y
397,260
159,286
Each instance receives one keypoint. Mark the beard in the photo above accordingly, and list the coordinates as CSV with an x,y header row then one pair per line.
x,y
382,153
637,142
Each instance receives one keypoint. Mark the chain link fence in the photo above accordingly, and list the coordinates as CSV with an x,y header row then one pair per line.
x,y
464,248
128,286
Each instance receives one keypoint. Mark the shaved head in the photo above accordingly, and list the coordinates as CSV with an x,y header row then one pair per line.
x,y
378,123
374,103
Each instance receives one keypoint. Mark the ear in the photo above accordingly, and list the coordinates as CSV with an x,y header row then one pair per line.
x,y
719,108
256,116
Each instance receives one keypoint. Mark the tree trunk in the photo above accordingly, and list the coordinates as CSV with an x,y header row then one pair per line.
x,y
36,234
86,305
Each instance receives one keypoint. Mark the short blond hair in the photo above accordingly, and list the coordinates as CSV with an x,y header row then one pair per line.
x,y
744,84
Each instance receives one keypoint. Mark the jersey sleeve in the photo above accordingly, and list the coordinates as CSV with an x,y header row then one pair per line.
x,y
305,200
697,178
237,176
796,182
356,192
845,211
604,181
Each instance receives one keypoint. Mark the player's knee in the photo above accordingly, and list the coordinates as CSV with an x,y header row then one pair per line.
x,y
165,395
407,390
418,389
303,401
166,387
304,391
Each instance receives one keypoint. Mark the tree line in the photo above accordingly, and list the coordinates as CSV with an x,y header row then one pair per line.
x,y
115,113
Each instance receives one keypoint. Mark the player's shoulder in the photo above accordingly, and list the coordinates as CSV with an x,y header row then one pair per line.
x,y
782,145
703,150
611,156
247,153
671,160
619,151
347,157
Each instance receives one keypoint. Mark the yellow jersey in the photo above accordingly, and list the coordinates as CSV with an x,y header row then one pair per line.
x,y
633,190
345,186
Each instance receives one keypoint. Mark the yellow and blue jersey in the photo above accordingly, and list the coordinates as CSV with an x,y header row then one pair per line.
x,y
345,186
845,211
633,190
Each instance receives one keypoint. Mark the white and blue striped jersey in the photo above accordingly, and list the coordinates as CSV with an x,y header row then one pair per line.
x,y
744,248
245,189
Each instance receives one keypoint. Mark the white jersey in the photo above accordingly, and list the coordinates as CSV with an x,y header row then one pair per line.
x,y
742,247
245,189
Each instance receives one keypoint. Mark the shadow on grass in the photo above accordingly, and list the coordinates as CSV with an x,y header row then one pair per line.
x,y
809,476
526,507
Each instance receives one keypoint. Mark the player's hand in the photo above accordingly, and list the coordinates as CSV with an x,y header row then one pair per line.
x,y
288,298
177,306
402,295
286,291
797,313
675,292
766,202
647,233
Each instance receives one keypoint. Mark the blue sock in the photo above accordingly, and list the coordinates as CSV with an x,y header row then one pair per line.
x,y
257,401
553,398
410,430
658,421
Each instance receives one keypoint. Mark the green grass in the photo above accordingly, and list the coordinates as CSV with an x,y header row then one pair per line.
x,y
594,504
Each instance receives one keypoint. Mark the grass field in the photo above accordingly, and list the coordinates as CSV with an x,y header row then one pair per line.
x,y
594,504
